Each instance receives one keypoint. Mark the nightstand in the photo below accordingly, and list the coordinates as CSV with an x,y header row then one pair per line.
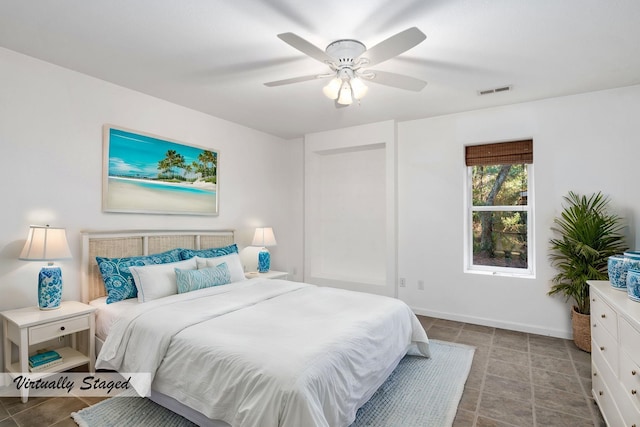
x,y
271,274
27,327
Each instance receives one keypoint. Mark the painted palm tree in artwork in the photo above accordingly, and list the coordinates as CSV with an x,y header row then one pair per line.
x,y
206,166
188,173
172,162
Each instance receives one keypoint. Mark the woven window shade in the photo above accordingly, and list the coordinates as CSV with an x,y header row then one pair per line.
x,y
502,153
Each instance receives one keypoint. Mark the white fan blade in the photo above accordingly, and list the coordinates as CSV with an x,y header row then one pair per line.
x,y
295,80
305,47
399,81
393,46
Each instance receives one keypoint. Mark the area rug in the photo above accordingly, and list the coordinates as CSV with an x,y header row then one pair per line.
x,y
420,392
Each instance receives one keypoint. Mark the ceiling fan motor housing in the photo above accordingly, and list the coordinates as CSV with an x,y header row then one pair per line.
x,y
345,51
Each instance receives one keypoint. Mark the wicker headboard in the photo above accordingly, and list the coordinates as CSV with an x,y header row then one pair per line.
x,y
126,243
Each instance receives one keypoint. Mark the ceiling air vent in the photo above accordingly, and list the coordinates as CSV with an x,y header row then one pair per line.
x,y
495,90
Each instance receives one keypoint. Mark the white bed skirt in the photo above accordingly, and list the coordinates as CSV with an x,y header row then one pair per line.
x,y
180,409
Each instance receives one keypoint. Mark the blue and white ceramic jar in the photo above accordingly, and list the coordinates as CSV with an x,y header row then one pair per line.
x,y
631,261
635,255
617,272
633,284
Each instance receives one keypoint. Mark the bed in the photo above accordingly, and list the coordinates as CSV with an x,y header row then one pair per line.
x,y
255,352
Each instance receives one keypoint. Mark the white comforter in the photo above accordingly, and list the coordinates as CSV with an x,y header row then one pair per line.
x,y
267,352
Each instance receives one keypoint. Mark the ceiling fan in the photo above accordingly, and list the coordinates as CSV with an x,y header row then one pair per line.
x,y
349,61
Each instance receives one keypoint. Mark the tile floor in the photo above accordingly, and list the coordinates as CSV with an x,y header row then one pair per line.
x,y
516,379
520,379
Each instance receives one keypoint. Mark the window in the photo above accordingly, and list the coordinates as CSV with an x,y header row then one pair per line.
x,y
499,220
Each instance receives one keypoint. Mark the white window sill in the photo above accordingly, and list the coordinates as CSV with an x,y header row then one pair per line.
x,y
524,275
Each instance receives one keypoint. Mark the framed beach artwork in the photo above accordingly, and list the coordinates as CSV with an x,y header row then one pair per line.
x,y
145,173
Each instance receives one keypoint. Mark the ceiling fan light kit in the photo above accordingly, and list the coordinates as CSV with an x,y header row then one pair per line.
x,y
345,87
345,97
358,87
332,90
348,59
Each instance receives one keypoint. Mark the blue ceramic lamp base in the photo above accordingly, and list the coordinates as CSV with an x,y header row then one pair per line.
x,y
50,288
264,261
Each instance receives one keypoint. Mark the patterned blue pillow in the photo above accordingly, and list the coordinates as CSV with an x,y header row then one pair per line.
x,y
208,253
118,280
192,280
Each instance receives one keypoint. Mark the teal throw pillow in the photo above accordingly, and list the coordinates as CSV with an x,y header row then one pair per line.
x,y
209,253
192,280
118,280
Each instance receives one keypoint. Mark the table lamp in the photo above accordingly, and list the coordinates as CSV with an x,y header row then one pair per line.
x,y
264,237
46,243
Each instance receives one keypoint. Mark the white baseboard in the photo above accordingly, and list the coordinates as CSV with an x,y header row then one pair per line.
x,y
513,326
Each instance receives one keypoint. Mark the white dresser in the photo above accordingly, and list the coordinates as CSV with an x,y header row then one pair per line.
x,y
615,354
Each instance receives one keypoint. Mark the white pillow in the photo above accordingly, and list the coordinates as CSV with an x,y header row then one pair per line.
x,y
233,263
158,280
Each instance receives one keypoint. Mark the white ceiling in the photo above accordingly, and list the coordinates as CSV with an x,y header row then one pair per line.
x,y
215,55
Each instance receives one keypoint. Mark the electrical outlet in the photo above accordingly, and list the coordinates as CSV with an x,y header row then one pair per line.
x,y
402,283
421,285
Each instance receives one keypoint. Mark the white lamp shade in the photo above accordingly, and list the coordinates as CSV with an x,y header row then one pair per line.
x,y
332,89
264,237
45,243
359,88
345,94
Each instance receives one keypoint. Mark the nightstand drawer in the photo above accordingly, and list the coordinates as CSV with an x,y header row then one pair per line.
x,y
55,329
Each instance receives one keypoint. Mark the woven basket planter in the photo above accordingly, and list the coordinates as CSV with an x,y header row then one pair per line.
x,y
581,330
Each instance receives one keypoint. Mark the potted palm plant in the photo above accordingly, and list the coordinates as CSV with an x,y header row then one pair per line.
x,y
587,236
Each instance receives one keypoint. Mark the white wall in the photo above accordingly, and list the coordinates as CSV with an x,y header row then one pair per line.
x,y
51,149
583,143
350,219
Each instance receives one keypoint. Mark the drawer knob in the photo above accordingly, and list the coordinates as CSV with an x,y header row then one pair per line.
x,y
594,325
593,299
595,374
602,348
603,316
633,372
600,392
634,392
62,328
